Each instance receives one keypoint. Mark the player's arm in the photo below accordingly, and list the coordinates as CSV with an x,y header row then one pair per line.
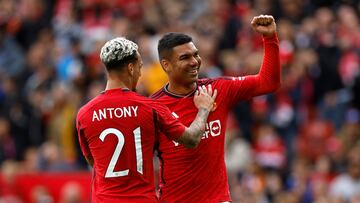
x,y
84,144
268,78
204,100
90,160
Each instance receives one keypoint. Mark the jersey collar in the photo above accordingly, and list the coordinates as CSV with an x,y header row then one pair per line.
x,y
171,94
114,90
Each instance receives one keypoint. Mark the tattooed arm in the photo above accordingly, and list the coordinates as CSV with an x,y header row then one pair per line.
x,y
204,100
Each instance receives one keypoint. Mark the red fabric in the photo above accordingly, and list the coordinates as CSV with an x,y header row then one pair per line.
x,y
109,134
270,151
351,36
349,65
286,52
268,78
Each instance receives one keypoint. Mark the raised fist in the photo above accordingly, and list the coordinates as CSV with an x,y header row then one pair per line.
x,y
264,24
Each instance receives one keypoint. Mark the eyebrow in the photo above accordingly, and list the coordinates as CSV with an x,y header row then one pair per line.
x,y
187,54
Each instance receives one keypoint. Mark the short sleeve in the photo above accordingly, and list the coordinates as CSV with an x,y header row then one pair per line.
x,y
168,124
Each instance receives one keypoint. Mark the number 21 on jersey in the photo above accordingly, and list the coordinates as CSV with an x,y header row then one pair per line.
x,y
110,173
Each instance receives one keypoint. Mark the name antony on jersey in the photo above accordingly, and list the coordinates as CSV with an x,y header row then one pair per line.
x,y
119,112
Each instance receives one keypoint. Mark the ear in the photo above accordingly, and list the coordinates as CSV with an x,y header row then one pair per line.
x,y
130,68
165,65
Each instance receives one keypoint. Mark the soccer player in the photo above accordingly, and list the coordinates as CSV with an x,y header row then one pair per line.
x,y
118,129
199,175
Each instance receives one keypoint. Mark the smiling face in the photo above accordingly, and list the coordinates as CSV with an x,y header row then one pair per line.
x,y
183,64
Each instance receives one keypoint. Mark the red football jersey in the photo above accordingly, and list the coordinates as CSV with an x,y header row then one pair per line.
x,y
199,175
119,129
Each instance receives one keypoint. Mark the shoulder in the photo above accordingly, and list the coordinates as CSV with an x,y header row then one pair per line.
x,y
147,101
158,94
206,81
223,80
86,107
141,98
157,105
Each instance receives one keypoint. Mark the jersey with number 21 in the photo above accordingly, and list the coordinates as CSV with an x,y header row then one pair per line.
x,y
119,129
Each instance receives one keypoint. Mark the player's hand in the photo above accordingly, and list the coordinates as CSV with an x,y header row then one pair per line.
x,y
205,97
264,24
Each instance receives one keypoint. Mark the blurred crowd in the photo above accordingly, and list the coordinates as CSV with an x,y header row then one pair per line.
x,y
298,145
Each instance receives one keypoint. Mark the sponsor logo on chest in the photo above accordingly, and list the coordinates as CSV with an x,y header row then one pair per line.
x,y
212,129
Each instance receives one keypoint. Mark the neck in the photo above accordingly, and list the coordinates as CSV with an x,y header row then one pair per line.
x,y
115,82
181,89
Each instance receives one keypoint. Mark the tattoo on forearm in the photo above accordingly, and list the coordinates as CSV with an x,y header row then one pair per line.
x,y
197,127
194,132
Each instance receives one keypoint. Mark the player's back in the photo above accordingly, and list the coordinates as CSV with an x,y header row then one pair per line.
x,y
118,129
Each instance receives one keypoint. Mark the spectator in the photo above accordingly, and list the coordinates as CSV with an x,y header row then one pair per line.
x,y
41,194
346,186
7,143
71,192
12,61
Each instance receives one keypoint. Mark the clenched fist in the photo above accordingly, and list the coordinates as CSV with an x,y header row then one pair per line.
x,y
264,24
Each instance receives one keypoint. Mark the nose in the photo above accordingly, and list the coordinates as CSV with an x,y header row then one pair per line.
x,y
194,61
